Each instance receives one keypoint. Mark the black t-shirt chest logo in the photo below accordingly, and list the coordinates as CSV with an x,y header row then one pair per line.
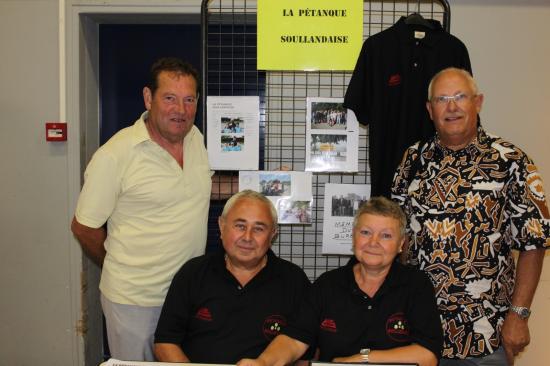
x,y
204,314
328,325
397,328
394,80
272,326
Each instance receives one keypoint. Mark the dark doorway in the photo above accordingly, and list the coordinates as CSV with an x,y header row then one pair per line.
x,y
126,52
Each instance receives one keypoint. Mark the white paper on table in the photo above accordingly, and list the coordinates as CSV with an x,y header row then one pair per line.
x,y
341,204
332,136
115,362
233,132
289,191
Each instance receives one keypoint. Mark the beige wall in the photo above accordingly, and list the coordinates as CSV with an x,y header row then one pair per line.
x,y
39,305
509,45
37,312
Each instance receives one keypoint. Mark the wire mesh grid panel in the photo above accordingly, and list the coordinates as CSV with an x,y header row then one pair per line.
x,y
229,68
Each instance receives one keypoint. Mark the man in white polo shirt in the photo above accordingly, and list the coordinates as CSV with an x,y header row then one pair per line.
x,y
151,184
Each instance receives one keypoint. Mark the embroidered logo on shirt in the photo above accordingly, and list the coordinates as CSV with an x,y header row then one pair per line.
x,y
272,326
328,325
204,314
397,328
394,80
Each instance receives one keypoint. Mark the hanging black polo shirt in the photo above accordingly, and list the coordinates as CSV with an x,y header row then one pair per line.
x,y
389,87
216,320
340,319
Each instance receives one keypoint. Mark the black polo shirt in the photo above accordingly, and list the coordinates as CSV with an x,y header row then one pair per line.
x,y
341,319
389,87
216,320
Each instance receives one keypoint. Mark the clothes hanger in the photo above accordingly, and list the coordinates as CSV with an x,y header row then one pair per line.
x,y
417,19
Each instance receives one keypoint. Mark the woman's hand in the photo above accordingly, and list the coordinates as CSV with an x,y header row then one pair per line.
x,y
353,358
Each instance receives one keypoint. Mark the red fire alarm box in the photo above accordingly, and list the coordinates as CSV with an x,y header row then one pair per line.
x,y
56,131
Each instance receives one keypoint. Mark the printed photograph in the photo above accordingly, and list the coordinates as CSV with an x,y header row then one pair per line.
x,y
232,125
232,143
346,204
328,116
294,212
275,184
328,150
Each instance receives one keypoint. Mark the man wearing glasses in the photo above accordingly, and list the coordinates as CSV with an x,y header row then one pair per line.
x,y
472,198
151,184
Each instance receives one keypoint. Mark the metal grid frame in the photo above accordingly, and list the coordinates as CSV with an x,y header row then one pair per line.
x,y
229,68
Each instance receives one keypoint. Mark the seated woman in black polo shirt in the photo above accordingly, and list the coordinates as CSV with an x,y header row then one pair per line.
x,y
373,309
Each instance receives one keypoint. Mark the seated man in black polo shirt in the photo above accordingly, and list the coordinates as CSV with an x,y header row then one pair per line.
x,y
226,306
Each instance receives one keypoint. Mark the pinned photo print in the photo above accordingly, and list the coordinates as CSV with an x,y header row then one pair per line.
x,y
275,184
328,116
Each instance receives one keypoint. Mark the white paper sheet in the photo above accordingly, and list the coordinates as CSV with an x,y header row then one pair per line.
x,y
289,191
233,125
332,136
341,204
115,362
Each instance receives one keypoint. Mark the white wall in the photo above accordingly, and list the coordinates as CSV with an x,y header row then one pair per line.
x,y
509,45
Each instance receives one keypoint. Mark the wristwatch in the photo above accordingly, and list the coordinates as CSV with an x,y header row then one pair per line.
x,y
364,352
522,312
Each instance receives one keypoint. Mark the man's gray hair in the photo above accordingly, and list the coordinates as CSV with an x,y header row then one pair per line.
x,y
464,73
381,206
248,193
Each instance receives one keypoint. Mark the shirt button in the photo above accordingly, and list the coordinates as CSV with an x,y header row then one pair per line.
x,y
417,43
369,307
239,288
415,64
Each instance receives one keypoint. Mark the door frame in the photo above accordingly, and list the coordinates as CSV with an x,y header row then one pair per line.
x,y
79,84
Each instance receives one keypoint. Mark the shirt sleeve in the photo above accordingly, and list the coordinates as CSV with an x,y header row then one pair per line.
x,y
174,317
402,176
357,94
423,315
303,285
100,192
465,62
304,322
527,208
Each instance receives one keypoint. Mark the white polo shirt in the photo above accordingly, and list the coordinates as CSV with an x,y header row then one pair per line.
x,y
156,212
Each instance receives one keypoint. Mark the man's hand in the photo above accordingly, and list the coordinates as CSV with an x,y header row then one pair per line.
x,y
515,336
250,362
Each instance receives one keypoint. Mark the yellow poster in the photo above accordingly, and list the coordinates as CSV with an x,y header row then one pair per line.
x,y
309,34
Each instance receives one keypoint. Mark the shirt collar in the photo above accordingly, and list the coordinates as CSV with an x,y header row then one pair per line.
x,y
139,130
406,32
479,143
395,277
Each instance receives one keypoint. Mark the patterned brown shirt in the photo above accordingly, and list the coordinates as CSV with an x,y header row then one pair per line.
x,y
467,210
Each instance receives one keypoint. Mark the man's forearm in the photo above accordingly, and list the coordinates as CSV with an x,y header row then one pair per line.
x,y
283,350
515,330
91,240
169,352
528,270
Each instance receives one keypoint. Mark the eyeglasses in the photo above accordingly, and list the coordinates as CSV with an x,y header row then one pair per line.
x,y
443,100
